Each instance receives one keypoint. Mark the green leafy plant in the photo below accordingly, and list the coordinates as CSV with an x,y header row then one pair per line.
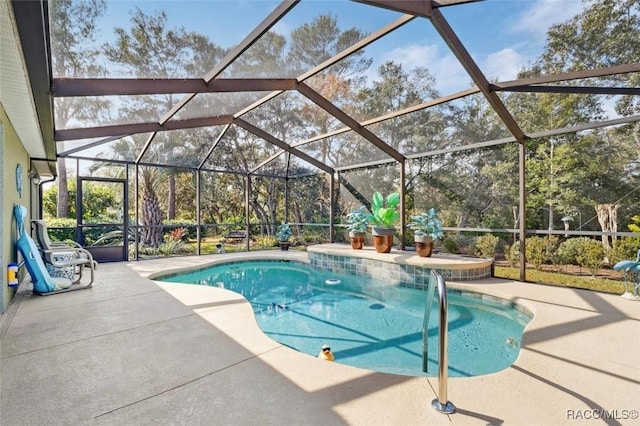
x,y
384,211
486,245
591,256
173,243
626,248
451,245
569,249
538,250
266,241
284,232
357,220
512,254
428,224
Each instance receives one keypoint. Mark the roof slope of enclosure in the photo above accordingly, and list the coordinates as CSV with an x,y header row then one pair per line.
x,y
300,87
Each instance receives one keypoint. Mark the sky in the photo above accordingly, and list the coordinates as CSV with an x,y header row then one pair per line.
x,y
502,36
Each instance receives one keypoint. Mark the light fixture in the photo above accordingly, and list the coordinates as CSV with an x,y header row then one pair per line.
x,y
34,176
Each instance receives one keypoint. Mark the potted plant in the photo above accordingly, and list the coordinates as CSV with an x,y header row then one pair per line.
x,y
427,227
384,215
283,234
357,226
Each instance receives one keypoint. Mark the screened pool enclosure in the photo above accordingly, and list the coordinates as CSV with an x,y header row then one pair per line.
x,y
298,111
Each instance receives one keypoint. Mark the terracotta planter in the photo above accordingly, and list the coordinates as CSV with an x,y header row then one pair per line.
x,y
424,245
383,238
357,240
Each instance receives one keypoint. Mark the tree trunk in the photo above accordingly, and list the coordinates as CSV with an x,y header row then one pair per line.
x,y
151,217
298,218
262,216
171,209
63,190
608,218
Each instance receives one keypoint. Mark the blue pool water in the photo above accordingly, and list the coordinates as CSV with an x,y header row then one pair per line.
x,y
367,323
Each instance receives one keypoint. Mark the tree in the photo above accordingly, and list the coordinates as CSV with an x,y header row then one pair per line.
x,y
311,44
605,34
176,53
588,168
72,35
97,201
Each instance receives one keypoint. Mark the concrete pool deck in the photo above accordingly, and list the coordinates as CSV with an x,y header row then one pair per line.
x,y
136,352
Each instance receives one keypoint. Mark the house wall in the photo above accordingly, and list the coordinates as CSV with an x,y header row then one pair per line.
x,y
12,153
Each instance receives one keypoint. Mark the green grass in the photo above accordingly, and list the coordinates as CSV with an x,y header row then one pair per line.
x,y
562,280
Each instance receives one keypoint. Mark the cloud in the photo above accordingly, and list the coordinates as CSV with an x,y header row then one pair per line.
x,y
503,65
542,14
282,28
449,74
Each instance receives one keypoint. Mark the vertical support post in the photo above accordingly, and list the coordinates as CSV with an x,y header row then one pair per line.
x,y
247,198
402,201
137,205
523,203
286,191
198,215
79,209
332,207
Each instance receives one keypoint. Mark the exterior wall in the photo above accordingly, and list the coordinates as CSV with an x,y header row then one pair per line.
x,y
12,153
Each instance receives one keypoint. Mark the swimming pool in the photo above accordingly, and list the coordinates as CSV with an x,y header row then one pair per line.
x,y
368,323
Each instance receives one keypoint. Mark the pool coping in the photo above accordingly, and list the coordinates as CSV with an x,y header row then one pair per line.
x,y
552,381
159,353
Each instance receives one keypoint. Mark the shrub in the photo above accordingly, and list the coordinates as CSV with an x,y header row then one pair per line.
x,y
311,236
569,250
176,234
458,243
145,250
450,245
170,247
188,226
539,249
512,254
266,241
485,245
626,248
66,229
591,255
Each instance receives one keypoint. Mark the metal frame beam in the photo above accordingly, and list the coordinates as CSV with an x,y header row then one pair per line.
x,y
417,8
465,59
129,129
323,103
264,26
71,87
580,90
281,144
213,146
90,145
574,75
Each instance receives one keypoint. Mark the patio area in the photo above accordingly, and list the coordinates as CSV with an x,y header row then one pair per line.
x,y
134,351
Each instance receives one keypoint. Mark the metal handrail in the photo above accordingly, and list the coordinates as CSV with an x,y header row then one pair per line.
x,y
441,403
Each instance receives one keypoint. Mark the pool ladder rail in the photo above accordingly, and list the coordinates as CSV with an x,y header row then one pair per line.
x,y
441,403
